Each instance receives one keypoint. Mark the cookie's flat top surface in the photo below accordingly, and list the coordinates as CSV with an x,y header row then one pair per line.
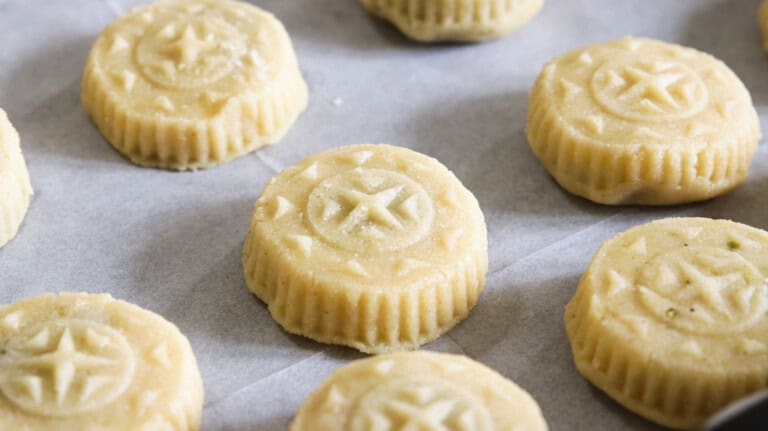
x,y
172,242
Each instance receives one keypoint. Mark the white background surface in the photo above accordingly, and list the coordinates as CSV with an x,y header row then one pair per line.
x,y
171,242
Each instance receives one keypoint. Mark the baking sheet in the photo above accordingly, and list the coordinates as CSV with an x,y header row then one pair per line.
x,y
171,242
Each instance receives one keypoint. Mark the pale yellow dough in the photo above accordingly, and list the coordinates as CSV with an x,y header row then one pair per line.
x,y
85,362
372,246
455,20
15,187
671,318
181,84
639,121
418,391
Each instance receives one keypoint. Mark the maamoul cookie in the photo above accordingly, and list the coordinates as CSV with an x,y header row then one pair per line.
x,y
639,121
418,391
455,20
671,318
371,246
188,84
85,362
15,187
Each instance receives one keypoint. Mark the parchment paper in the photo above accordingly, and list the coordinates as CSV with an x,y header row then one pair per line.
x,y
171,242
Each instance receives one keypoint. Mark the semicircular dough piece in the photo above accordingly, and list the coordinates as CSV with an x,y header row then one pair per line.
x,y
15,187
191,84
671,318
86,362
418,391
455,20
371,246
639,121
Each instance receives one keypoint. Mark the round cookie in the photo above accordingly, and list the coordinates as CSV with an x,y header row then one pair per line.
x,y
639,121
418,391
454,20
15,187
371,246
671,318
183,84
77,361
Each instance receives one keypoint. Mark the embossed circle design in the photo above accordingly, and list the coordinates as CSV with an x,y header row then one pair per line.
x,y
370,210
190,52
648,90
66,367
417,405
704,290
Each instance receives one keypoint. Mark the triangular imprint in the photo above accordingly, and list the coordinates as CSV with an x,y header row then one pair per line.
x,y
750,346
384,367
283,206
12,321
354,267
164,103
726,108
638,325
407,265
40,340
585,58
410,207
638,246
310,173
301,243
645,132
697,129
160,355
33,385
360,157
94,340
118,44
450,238
334,401
594,123
616,283
569,88
126,78
449,197
691,348
92,384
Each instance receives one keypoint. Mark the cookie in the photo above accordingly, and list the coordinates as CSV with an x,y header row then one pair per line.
x,y
15,187
86,362
639,121
671,318
183,84
418,391
371,246
454,20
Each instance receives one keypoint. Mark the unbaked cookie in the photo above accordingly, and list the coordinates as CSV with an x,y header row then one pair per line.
x,y
418,391
371,246
456,20
639,121
77,361
190,84
671,318
15,187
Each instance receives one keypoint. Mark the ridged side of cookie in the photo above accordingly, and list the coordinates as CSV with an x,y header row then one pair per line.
x,y
371,321
433,20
